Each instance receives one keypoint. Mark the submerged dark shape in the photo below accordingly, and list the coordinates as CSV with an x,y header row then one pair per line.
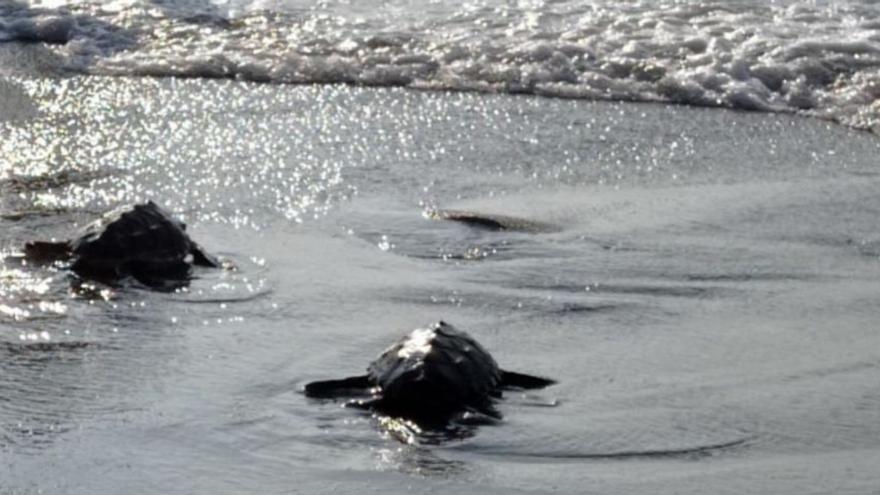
x,y
429,376
491,221
144,242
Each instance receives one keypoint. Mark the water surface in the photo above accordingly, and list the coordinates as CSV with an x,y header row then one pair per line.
x,y
708,306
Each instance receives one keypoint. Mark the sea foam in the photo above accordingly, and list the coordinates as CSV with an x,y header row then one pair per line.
x,y
816,58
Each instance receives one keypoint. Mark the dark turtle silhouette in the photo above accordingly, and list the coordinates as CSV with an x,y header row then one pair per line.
x,y
490,221
429,376
144,242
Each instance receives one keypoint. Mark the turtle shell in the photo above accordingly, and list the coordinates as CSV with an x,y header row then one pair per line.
x,y
434,371
144,236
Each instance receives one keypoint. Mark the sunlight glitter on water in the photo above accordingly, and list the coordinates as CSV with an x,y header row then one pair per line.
x,y
94,163
23,292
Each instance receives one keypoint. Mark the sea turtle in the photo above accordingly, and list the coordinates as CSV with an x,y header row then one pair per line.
x,y
429,376
143,241
490,221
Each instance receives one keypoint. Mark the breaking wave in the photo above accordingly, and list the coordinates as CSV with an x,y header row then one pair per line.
x,y
816,58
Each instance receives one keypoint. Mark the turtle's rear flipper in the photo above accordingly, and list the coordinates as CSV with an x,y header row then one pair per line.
x,y
202,258
519,380
353,385
47,252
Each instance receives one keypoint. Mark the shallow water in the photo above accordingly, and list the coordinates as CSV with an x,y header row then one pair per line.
x,y
708,306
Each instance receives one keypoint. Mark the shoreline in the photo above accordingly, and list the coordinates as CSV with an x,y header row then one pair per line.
x,y
21,59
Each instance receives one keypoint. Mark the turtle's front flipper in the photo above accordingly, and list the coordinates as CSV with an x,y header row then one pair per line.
x,y
353,385
47,252
519,380
202,258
